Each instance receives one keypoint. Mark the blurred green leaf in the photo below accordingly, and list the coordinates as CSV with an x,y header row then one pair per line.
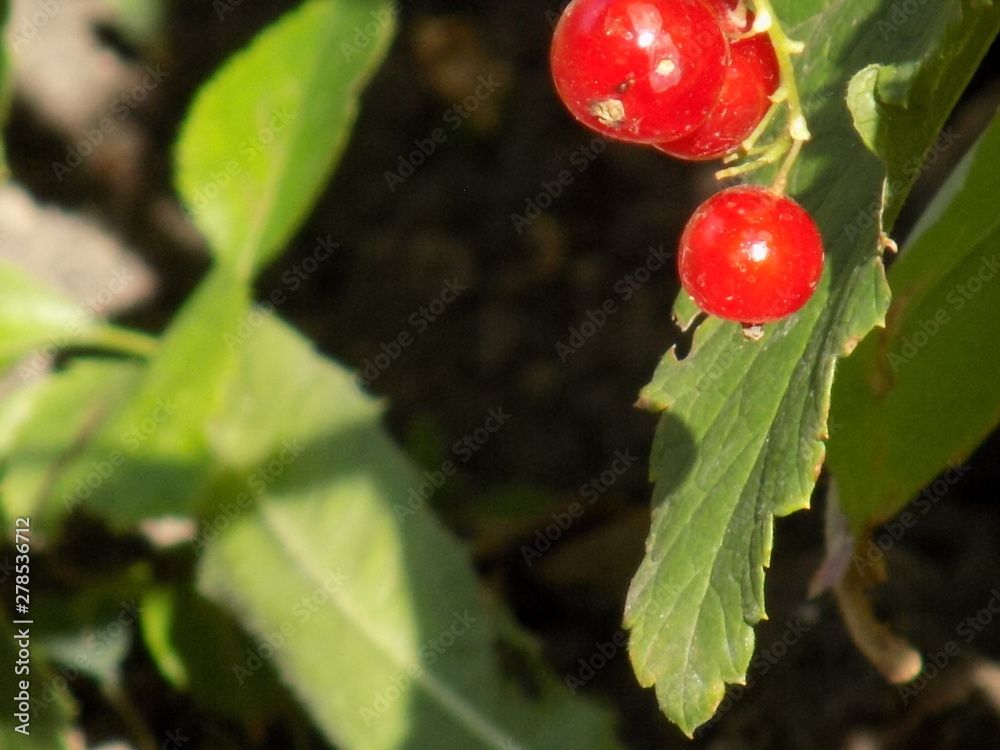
x,y
15,408
742,440
922,393
159,611
55,418
196,645
151,456
264,134
370,616
139,21
93,651
33,316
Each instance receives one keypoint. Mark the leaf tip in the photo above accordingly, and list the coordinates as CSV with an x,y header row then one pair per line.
x,y
646,402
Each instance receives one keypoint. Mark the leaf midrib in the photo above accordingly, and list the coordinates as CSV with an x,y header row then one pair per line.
x,y
465,714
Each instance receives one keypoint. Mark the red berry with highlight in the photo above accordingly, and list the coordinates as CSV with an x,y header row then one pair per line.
x,y
750,255
751,78
645,71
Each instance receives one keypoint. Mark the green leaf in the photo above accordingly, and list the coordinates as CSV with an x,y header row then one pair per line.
x,y
139,21
367,609
54,419
742,440
906,102
159,611
151,455
102,660
33,315
265,133
922,393
198,646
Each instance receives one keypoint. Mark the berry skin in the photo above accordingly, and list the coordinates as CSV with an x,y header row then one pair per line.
x,y
750,255
752,76
644,71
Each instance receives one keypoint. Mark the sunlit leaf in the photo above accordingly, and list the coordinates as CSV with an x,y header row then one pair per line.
x,y
265,133
741,440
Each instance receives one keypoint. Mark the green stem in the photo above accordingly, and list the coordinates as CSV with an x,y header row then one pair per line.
x,y
122,340
784,48
781,179
789,144
770,155
750,144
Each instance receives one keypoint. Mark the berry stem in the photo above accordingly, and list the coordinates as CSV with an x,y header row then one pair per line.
x,y
761,158
750,144
781,179
789,143
784,48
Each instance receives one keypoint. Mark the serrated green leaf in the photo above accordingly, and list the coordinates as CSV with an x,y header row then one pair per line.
x,y
265,133
742,440
369,614
922,393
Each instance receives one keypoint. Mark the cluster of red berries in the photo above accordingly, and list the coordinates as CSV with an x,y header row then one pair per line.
x,y
692,79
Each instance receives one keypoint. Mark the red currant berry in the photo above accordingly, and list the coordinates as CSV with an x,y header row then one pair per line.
x,y
645,71
733,16
750,255
751,78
